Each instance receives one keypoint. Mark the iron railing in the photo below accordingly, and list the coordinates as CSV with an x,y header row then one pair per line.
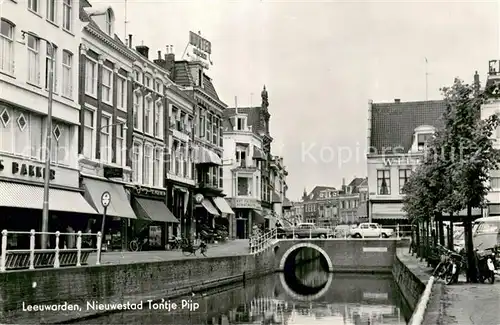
x,y
56,257
261,243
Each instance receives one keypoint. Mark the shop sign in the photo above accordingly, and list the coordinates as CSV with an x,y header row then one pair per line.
x,y
198,198
401,161
147,191
240,203
200,49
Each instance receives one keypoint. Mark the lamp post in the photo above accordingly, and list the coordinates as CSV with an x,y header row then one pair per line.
x,y
48,143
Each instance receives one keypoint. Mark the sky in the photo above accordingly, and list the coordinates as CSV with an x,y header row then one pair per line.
x,y
321,62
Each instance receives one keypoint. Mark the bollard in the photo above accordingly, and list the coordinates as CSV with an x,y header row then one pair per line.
x,y
397,231
32,249
310,233
79,249
56,259
4,250
99,241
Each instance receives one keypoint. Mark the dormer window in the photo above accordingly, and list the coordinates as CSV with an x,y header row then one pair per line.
x,y
422,140
240,123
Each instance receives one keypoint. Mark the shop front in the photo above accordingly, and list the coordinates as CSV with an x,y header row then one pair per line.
x,y
387,213
119,213
21,199
156,225
206,214
180,202
248,213
227,219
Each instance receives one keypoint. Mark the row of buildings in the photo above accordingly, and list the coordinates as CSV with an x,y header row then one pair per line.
x,y
151,131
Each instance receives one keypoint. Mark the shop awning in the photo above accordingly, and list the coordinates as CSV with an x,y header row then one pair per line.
x,y
119,205
257,153
210,207
388,211
287,203
222,205
276,197
381,216
257,217
494,209
207,157
153,210
25,196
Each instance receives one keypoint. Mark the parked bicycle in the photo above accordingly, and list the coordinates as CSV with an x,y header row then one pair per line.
x,y
189,249
136,244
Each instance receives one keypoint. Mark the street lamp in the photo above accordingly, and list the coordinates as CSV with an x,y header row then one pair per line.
x,y
48,146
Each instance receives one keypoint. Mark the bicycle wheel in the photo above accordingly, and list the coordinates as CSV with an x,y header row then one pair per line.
x,y
134,246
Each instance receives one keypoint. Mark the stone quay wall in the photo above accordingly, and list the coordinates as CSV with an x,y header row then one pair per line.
x,y
120,283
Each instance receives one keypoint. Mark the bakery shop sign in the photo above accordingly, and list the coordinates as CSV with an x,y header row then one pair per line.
x,y
24,170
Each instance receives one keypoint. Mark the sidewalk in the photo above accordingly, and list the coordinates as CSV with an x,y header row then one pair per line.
x,y
461,303
230,248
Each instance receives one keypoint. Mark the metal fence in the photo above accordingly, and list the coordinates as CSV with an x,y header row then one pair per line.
x,y
59,255
261,243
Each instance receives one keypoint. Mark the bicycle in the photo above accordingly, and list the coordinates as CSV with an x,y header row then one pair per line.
x,y
136,244
189,249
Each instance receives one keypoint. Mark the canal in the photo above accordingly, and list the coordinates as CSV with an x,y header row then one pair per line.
x,y
305,294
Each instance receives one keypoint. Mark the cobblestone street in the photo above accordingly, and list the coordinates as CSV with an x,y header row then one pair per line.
x,y
462,303
231,248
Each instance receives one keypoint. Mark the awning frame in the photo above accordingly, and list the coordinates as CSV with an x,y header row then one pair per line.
x,y
210,208
221,204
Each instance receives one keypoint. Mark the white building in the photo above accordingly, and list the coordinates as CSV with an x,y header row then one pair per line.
x,y
490,108
242,163
24,85
396,137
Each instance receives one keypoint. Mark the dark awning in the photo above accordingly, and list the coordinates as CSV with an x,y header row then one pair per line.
x,y
276,197
207,157
153,210
119,205
18,195
210,207
257,153
257,217
287,203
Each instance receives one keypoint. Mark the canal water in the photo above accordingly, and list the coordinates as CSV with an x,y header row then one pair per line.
x,y
305,294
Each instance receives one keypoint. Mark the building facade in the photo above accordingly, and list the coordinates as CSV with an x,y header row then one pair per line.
x,y
25,65
349,200
243,158
397,135
296,212
320,206
278,188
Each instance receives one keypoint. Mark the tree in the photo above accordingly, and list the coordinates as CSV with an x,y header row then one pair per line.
x,y
468,154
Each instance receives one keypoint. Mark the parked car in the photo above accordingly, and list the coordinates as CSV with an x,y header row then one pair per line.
x,y
342,231
370,230
303,230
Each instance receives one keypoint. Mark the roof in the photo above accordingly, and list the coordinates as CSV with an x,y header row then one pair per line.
x,y
252,113
393,124
182,76
314,195
356,183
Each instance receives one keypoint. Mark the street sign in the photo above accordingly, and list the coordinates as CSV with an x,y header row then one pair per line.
x,y
105,199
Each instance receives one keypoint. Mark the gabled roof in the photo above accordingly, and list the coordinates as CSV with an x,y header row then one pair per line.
x,y
253,117
393,124
314,195
356,183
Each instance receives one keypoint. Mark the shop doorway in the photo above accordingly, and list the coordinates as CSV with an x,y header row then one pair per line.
x,y
240,228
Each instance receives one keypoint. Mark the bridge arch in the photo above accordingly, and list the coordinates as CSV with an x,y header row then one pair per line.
x,y
308,245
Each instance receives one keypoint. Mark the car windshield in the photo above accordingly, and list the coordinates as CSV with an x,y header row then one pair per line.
x,y
488,228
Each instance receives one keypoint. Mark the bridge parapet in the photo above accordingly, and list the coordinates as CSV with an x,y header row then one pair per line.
x,y
343,255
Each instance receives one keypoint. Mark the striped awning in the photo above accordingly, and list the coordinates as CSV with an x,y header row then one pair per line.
x,y
222,205
206,157
25,196
210,207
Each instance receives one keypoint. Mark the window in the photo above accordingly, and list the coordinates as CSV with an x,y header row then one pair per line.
x,y
91,77
221,178
495,183
6,47
241,155
20,132
67,15
181,121
137,76
34,5
107,85
488,227
60,144
158,119
383,182
157,177
33,60
137,110
120,143
67,78
185,169
215,129
422,140
51,10
159,87
404,175
239,123
202,125
105,139
50,58
136,162
215,177
209,126
243,186
121,95
221,135
109,23
88,133
147,81
148,115
148,164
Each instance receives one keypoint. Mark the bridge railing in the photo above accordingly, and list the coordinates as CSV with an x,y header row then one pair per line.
x,y
264,241
58,256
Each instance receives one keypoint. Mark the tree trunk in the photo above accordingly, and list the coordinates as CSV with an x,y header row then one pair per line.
x,y
417,239
471,259
441,233
451,246
427,241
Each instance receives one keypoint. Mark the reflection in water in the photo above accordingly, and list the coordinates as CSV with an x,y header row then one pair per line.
x,y
350,299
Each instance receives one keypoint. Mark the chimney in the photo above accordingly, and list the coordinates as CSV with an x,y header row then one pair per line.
x,y
160,61
143,50
129,40
397,100
170,59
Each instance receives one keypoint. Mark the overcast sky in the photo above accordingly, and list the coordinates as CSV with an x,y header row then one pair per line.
x,y
321,62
